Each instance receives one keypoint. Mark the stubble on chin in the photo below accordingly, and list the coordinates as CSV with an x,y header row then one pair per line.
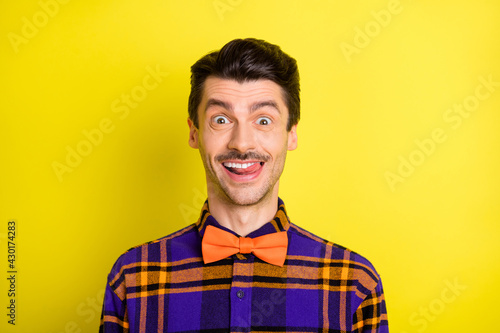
x,y
247,196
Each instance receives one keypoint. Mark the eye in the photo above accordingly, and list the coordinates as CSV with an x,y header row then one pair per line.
x,y
264,121
220,120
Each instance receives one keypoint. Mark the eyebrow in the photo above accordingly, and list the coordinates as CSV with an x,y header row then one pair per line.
x,y
217,102
260,105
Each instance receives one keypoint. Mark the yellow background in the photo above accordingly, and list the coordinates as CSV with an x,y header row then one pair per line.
x,y
362,113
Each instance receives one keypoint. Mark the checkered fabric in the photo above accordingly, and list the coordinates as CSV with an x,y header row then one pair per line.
x,y
164,286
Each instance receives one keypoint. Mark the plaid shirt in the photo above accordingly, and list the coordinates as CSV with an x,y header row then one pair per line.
x,y
164,286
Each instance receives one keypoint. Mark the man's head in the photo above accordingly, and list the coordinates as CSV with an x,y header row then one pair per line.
x,y
247,60
240,119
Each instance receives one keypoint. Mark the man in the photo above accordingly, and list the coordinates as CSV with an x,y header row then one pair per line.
x,y
243,266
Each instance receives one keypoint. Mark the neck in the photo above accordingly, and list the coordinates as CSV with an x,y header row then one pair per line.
x,y
243,219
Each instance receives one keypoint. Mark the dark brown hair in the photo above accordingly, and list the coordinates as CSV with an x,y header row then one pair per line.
x,y
247,60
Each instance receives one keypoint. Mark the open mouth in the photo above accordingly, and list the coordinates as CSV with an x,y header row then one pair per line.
x,y
243,169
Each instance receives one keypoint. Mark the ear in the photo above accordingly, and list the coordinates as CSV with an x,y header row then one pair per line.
x,y
292,138
193,134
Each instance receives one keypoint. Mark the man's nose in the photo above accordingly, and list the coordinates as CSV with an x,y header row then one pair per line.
x,y
242,138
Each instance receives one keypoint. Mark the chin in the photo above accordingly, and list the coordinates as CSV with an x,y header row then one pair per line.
x,y
246,197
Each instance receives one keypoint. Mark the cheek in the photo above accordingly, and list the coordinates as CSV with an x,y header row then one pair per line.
x,y
212,145
274,143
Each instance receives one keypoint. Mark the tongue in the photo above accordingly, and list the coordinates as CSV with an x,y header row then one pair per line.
x,y
246,171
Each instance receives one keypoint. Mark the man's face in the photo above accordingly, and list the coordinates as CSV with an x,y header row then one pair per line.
x,y
242,138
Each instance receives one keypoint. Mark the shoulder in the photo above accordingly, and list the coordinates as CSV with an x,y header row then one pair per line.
x,y
185,240
335,256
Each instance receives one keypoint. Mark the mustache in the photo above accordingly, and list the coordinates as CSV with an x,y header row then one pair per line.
x,y
234,155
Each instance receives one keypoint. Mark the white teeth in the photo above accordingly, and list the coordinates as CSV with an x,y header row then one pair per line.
x,y
238,165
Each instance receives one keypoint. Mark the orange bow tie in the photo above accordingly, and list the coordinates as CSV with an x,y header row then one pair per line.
x,y
218,244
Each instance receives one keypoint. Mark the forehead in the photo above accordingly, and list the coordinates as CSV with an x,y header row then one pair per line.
x,y
248,91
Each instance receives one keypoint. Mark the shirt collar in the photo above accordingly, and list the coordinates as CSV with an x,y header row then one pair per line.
x,y
280,222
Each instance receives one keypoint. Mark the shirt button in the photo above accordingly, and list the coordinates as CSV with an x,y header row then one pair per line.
x,y
240,294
